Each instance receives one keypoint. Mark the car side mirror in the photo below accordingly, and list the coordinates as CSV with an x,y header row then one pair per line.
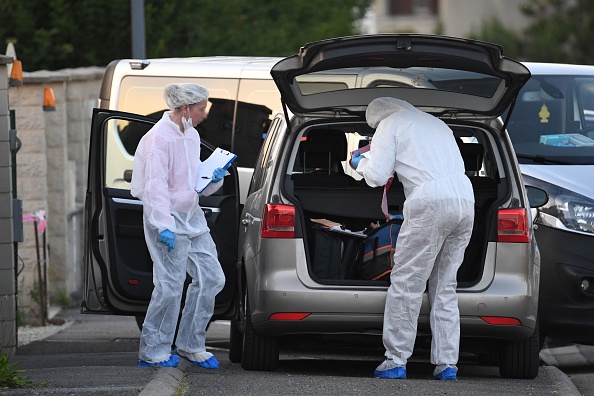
x,y
536,197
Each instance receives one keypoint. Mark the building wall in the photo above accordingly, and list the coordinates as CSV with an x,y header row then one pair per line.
x,y
413,23
462,17
8,333
51,178
458,18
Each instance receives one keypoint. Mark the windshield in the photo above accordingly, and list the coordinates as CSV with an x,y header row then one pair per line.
x,y
458,81
553,120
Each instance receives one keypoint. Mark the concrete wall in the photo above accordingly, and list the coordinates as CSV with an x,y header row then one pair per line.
x,y
8,333
51,177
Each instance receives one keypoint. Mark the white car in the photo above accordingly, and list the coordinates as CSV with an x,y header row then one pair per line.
x,y
552,131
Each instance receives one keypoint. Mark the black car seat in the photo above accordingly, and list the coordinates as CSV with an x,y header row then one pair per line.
x,y
472,154
319,158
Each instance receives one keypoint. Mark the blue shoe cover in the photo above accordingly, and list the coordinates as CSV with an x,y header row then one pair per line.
x,y
210,363
449,374
394,373
172,362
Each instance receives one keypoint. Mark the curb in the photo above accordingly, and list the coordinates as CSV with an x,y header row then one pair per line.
x,y
166,382
561,381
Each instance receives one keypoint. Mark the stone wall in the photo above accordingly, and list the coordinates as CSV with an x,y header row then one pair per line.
x,y
51,178
8,333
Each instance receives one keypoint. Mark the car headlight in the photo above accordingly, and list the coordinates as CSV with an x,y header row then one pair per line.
x,y
565,209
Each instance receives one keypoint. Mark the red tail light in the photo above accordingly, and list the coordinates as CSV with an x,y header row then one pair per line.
x,y
512,226
278,221
501,320
289,316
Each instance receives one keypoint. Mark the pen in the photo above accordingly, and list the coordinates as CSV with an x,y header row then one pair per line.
x,y
205,177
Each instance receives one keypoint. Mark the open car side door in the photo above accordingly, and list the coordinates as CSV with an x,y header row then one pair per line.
x,y
118,275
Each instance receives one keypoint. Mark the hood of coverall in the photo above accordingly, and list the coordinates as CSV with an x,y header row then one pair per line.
x,y
436,74
380,108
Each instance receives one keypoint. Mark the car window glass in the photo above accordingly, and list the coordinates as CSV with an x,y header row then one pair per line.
x,y
118,160
262,164
553,118
144,96
459,81
239,113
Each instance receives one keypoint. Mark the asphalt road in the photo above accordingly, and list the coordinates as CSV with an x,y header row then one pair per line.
x,y
96,355
324,370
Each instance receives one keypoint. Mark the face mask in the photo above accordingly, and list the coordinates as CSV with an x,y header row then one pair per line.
x,y
187,122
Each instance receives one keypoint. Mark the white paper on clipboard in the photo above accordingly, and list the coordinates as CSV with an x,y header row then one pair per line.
x,y
218,159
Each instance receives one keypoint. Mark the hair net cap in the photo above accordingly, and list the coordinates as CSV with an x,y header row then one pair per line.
x,y
381,108
179,94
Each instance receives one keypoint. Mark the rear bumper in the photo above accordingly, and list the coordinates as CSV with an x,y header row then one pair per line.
x,y
362,311
324,323
274,286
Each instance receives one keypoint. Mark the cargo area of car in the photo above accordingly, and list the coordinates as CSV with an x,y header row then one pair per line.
x,y
338,210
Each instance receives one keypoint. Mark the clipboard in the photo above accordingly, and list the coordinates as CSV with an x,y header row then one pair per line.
x,y
218,159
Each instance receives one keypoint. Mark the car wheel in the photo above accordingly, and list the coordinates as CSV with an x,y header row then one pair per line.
x,y
260,353
488,359
542,338
520,359
235,342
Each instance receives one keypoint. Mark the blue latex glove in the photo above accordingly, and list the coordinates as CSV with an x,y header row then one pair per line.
x,y
218,175
167,238
357,156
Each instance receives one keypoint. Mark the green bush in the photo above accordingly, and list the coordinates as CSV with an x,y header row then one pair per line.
x,y
10,374
63,299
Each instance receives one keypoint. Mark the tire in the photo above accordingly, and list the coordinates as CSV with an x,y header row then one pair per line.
x,y
488,359
235,343
260,353
541,340
520,359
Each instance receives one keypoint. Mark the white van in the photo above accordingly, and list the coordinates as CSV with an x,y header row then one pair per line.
x,y
243,100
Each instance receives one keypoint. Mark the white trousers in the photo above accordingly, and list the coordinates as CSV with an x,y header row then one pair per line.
x,y
429,251
198,257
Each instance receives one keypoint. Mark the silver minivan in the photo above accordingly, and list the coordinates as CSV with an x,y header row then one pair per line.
x,y
290,274
298,272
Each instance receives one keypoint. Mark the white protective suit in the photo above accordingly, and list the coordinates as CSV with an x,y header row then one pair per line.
x,y
438,218
165,171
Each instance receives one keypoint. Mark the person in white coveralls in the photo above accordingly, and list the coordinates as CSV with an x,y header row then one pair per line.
x,y
421,151
166,166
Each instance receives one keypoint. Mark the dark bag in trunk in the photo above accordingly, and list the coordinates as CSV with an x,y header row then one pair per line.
x,y
378,253
334,254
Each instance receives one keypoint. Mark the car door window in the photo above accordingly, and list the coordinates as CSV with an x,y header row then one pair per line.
x,y
122,138
586,98
262,168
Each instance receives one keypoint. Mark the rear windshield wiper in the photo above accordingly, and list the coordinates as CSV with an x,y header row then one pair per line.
x,y
541,159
